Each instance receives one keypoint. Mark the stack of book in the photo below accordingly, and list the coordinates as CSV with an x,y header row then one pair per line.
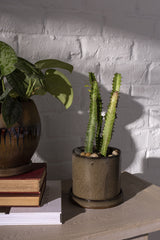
x,y
25,189
49,213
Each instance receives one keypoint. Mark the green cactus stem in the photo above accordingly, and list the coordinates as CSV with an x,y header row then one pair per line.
x,y
91,129
99,122
111,114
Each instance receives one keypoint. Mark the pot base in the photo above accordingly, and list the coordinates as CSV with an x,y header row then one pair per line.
x,y
15,171
93,204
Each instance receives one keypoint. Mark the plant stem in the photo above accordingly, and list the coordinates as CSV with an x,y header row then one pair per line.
x,y
90,135
99,122
111,114
109,122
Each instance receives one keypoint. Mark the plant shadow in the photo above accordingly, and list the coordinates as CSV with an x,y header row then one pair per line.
x,y
151,168
132,185
69,208
67,131
64,130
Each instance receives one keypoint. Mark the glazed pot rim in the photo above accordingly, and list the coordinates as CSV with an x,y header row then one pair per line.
x,y
77,150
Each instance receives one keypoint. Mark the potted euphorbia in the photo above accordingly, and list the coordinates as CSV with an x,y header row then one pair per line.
x,y
96,165
19,118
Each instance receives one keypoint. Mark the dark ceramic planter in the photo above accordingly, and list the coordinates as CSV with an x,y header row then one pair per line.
x,y
18,143
96,181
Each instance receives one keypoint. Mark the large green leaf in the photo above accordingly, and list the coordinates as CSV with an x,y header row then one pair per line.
x,y
16,80
11,110
29,69
8,59
34,77
53,63
59,86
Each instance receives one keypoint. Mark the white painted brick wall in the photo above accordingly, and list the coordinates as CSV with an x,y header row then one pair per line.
x,y
105,37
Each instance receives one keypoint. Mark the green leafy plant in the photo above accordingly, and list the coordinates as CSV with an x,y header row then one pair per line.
x,y
21,79
95,123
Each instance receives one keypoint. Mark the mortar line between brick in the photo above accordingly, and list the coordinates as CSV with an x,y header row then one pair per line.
x,y
44,23
80,47
131,50
148,66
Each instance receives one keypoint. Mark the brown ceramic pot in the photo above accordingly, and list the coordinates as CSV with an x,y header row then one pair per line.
x,y
18,143
96,181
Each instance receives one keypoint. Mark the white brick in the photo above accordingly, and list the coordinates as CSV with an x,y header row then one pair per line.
x,y
138,164
23,20
124,101
154,117
146,95
10,39
105,91
154,74
36,47
82,68
103,37
128,26
91,46
112,49
146,50
154,138
132,117
121,138
132,72
61,23
140,139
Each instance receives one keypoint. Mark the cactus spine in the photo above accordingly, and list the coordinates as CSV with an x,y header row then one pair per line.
x,y
95,116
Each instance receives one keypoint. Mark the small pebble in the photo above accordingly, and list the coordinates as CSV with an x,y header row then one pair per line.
x,y
87,154
94,155
82,154
115,152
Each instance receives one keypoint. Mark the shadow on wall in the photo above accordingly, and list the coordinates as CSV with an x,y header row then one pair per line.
x,y
63,130
151,170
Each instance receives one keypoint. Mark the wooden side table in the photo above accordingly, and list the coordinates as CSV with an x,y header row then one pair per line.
x,y
135,218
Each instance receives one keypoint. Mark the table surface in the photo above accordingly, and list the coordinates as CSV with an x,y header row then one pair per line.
x,y
137,215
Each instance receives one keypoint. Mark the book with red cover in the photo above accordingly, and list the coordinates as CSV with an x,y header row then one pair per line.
x,y
23,198
29,182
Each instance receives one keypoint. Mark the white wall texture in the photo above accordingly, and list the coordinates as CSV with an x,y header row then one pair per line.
x,y
104,36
